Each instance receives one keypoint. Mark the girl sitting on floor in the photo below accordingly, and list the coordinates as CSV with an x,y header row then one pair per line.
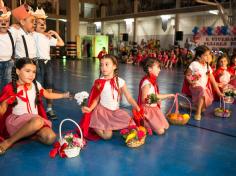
x,y
153,117
200,88
22,113
103,115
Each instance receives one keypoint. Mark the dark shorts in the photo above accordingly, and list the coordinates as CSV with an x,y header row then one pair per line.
x,y
5,72
44,74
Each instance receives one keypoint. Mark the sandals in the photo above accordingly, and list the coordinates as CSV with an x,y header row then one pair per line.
x,y
2,150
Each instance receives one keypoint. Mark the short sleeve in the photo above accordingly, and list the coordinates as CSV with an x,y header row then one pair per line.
x,y
121,82
53,41
145,82
193,66
39,86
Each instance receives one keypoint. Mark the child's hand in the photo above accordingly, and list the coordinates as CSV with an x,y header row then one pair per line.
x,y
66,95
51,32
86,109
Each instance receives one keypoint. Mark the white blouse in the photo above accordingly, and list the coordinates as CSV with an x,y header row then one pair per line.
x,y
106,98
21,107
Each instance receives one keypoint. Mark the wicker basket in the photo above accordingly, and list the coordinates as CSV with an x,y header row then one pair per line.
x,y
136,143
180,120
75,151
183,121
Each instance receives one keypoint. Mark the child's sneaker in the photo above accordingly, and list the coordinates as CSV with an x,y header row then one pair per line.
x,y
51,114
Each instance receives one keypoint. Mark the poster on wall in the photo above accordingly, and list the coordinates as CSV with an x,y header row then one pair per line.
x,y
100,41
226,41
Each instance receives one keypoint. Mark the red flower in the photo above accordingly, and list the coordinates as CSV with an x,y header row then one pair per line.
x,y
131,127
124,131
76,135
140,134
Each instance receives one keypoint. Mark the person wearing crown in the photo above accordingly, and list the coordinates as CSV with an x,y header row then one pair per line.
x,y
6,45
43,42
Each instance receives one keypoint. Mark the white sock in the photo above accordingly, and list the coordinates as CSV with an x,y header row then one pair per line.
x,y
49,109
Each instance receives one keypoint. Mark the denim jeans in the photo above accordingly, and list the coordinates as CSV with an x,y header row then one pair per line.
x,y
5,72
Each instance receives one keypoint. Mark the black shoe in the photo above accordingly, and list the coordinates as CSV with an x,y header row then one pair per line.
x,y
51,114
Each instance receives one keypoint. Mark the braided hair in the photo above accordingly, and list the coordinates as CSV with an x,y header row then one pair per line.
x,y
19,64
147,63
116,74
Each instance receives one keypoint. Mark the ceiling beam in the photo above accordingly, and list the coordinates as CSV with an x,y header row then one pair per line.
x,y
160,12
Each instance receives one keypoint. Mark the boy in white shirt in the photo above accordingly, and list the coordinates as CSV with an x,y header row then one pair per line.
x,y
6,46
43,42
25,44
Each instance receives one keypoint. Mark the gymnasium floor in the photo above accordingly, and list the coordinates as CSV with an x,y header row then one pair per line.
x,y
200,148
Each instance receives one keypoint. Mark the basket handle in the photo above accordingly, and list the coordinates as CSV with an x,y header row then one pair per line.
x,y
222,100
174,103
177,105
81,134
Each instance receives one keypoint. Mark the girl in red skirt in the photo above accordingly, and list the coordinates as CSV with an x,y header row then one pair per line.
x,y
22,113
200,89
153,117
103,115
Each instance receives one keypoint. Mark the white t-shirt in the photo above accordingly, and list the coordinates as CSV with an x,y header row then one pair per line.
x,y
152,89
19,45
21,107
198,68
106,97
5,47
43,44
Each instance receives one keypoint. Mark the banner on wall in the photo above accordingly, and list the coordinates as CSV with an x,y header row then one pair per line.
x,y
100,41
222,41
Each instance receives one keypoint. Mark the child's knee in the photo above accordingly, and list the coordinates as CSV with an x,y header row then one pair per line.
x,y
49,138
37,122
107,135
160,131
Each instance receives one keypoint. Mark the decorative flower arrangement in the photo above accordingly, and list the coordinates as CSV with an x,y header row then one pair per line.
x,y
64,147
82,98
151,99
230,94
135,135
194,77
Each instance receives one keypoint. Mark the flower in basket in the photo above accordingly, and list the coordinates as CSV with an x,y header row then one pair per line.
x,y
151,99
70,141
135,133
82,98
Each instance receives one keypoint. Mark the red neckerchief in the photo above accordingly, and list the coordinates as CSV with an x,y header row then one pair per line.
x,y
152,79
113,84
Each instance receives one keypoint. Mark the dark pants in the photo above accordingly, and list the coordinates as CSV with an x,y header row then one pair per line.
x,y
44,74
5,72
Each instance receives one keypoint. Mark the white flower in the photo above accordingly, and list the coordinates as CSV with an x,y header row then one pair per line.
x,y
81,97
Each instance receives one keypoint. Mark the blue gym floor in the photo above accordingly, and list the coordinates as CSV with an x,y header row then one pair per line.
x,y
201,148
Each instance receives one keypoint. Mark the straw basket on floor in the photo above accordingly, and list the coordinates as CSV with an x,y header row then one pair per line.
x,y
136,143
75,150
176,118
